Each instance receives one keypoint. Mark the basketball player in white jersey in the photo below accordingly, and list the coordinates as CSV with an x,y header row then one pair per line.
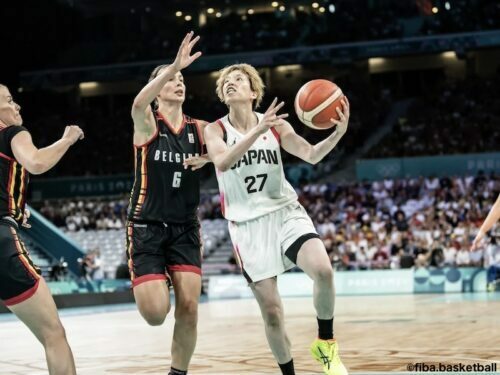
x,y
269,228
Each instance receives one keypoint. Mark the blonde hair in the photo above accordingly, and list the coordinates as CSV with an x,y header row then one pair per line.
x,y
256,83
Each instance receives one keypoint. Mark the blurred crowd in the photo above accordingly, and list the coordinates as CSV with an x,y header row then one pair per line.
x,y
367,225
403,223
86,214
439,122
147,31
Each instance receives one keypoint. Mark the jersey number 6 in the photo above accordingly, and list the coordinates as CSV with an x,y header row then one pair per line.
x,y
177,179
250,182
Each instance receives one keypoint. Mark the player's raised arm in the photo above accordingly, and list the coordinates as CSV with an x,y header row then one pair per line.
x,y
141,110
298,146
224,157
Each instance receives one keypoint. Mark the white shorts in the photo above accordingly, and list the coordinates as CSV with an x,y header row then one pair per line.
x,y
268,245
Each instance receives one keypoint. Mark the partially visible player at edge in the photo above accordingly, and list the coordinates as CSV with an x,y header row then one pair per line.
x,y
163,231
488,223
269,228
22,288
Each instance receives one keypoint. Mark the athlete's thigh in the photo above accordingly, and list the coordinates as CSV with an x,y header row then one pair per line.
x,y
266,293
153,296
187,287
312,257
38,312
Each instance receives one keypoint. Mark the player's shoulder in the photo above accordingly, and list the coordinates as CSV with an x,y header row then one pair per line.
x,y
215,128
197,121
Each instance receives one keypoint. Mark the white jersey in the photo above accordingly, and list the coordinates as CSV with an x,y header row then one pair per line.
x,y
256,184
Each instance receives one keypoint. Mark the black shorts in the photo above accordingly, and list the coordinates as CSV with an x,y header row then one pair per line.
x,y
19,277
155,250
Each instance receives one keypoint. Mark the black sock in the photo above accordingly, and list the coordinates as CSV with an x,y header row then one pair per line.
x,y
287,368
325,329
174,371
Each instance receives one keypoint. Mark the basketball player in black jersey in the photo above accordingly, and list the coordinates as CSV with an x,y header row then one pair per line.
x,y
163,238
22,288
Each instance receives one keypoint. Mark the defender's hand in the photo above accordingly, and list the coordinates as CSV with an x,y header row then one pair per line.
x,y
184,57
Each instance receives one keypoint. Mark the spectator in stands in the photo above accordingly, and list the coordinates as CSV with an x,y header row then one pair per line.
x,y
86,266
463,257
449,253
380,259
96,265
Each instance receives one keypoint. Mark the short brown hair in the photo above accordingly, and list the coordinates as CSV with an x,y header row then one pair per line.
x,y
156,71
153,75
256,83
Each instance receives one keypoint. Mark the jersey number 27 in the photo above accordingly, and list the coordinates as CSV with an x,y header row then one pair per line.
x,y
250,182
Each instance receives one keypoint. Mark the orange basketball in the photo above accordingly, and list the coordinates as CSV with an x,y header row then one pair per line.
x,y
316,103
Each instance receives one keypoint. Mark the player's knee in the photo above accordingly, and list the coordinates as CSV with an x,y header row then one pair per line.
x,y
186,312
324,274
273,316
53,335
155,315
154,319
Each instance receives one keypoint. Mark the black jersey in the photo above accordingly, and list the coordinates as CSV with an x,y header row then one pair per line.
x,y
13,177
163,190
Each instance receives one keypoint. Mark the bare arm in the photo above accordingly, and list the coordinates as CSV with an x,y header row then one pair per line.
x,y
141,110
488,223
37,161
222,156
225,157
298,146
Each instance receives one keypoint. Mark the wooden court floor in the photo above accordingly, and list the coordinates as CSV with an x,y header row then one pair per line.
x,y
378,334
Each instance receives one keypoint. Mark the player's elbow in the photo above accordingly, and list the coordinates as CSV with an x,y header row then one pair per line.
x,y
311,157
314,159
223,167
36,167
138,106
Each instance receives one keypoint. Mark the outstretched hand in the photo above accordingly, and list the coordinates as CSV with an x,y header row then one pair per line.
x,y
184,57
478,240
195,162
271,118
